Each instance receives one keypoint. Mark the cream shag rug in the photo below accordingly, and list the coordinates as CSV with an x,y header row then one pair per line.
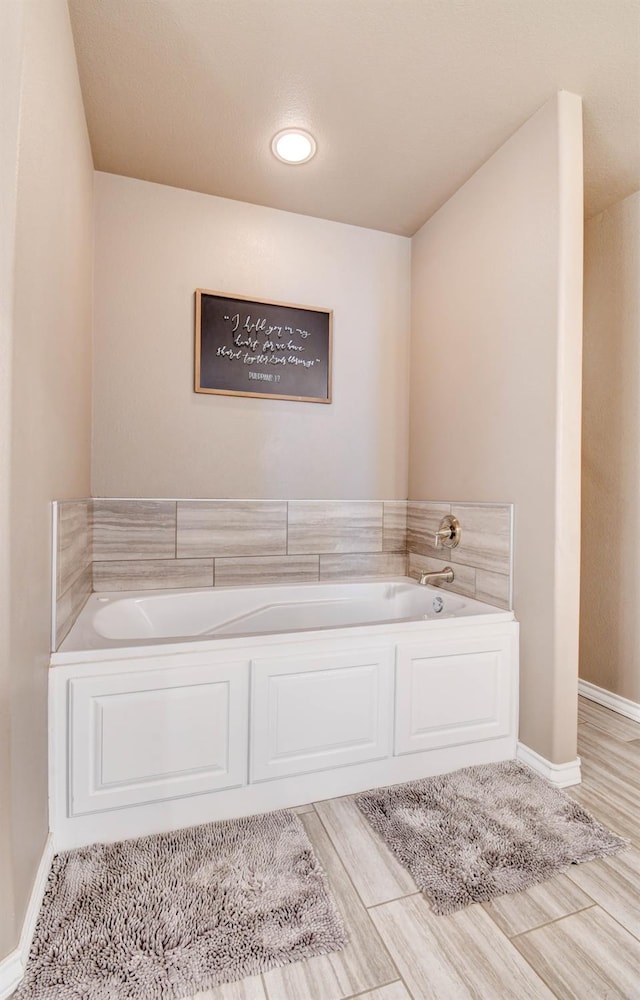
x,y
483,831
170,915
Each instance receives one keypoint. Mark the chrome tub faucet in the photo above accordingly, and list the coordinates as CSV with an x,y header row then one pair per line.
x,y
442,576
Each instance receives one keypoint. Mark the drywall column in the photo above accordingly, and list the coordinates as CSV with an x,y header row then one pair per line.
x,y
496,386
45,428
609,626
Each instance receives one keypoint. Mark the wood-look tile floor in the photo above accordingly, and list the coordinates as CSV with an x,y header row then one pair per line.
x,y
576,936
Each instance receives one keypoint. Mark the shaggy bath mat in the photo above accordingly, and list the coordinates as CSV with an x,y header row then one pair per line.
x,y
173,914
483,831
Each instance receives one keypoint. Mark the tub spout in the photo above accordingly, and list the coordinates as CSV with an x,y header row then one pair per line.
x,y
443,576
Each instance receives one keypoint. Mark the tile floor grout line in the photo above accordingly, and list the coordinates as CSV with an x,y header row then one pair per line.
x,y
359,897
373,989
385,902
615,920
565,916
514,947
535,971
337,850
546,923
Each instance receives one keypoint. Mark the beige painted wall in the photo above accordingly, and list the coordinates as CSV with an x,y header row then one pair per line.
x,y
495,386
609,623
44,434
11,49
154,437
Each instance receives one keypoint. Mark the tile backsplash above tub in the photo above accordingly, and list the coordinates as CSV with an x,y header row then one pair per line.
x,y
231,528
134,529
481,562
115,544
144,544
73,532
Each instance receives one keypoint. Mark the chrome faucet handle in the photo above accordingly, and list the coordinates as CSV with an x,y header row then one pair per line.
x,y
443,535
448,533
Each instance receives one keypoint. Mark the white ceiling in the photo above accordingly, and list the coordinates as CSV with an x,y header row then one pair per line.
x,y
406,98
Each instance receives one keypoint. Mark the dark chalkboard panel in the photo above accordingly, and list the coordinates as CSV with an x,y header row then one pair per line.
x,y
252,347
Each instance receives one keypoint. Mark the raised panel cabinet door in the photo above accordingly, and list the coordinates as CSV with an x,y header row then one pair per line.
x,y
157,734
454,692
310,713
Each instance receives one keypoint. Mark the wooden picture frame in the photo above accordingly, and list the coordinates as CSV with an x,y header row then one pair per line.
x,y
262,348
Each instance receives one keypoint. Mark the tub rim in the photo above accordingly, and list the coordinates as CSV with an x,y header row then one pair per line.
x,y
128,649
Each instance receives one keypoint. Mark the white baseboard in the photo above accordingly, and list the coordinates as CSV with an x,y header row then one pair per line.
x,y
12,968
11,972
561,775
623,706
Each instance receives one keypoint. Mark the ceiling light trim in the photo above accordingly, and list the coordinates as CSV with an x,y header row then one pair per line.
x,y
293,146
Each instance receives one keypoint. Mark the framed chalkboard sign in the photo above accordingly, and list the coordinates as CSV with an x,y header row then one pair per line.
x,y
253,347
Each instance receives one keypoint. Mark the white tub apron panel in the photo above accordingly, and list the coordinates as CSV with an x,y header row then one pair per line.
x,y
309,714
157,735
453,692
149,735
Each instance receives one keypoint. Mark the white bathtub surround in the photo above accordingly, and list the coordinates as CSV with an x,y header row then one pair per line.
x,y
156,733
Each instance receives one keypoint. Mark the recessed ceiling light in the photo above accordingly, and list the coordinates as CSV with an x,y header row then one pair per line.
x,y
293,145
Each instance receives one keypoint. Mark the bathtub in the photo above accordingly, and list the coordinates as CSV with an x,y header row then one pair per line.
x,y
132,619
169,708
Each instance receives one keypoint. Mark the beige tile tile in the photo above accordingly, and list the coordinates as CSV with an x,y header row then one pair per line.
x,y
74,541
464,577
538,905
71,603
335,526
485,536
394,526
462,955
245,989
616,800
301,810
254,570
363,963
617,759
373,869
152,574
313,979
342,567
134,529
609,722
612,803
614,883
587,956
423,520
610,786
493,588
394,991
231,528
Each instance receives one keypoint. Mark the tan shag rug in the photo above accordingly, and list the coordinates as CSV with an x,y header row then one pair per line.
x,y
483,832
171,915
